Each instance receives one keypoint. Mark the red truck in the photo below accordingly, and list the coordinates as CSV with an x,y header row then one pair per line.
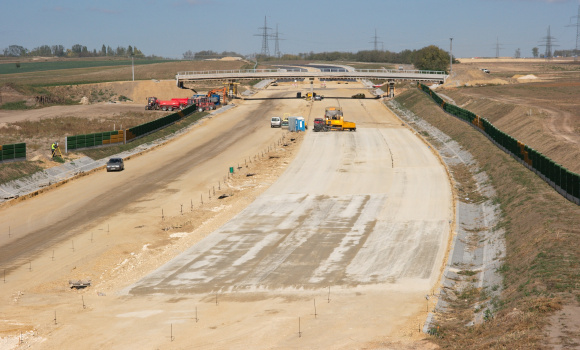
x,y
153,103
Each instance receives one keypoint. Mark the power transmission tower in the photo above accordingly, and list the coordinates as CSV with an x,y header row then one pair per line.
x,y
577,25
549,43
498,46
265,36
376,41
276,37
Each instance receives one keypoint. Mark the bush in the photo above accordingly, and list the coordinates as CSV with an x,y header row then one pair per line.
x,y
431,58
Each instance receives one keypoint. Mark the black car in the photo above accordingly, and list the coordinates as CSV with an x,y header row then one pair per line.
x,y
115,164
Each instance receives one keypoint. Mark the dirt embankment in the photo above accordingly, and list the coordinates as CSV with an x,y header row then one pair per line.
x,y
541,115
136,91
539,304
534,101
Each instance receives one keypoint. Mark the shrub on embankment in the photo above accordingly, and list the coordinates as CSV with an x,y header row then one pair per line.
x,y
542,265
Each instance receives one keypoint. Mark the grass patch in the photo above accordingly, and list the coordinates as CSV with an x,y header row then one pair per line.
x,y
17,170
27,67
16,106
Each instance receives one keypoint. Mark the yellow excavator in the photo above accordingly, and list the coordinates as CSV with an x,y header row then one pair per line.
x,y
334,120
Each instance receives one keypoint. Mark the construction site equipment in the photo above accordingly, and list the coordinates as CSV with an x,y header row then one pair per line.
x,y
203,103
232,89
55,149
79,283
153,103
333,120
218,96
183,102
285,119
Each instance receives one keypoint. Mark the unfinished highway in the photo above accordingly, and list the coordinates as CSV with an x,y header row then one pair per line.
x,y
339,252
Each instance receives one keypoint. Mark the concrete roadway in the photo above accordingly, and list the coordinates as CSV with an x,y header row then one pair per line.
x,y
365,212
365,207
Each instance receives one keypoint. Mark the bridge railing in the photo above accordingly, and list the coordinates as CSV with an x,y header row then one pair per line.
x,y
325,70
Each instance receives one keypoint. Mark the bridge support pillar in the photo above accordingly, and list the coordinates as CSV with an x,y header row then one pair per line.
x,y
391,92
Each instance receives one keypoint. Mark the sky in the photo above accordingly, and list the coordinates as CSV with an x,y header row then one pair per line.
x,y
170,28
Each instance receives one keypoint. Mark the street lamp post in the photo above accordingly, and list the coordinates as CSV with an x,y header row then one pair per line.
x,y
132,68
451,55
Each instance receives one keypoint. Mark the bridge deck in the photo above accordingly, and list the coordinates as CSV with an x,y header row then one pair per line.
x,y
336,73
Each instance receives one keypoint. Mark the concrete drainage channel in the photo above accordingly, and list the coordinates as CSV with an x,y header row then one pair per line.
x,y
69,170
477,249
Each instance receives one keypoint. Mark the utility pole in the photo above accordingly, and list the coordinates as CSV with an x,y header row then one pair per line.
x,y
450,56
132,67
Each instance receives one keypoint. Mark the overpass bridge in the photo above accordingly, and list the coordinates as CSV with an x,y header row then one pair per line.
x,y
230,76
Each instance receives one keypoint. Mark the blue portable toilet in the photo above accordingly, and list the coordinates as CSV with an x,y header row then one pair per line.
x,y
300,124
296,124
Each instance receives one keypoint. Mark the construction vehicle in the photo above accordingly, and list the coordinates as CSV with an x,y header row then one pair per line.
x,y
183,102
285,119
334,120
218,96
313,96
203,103
153,103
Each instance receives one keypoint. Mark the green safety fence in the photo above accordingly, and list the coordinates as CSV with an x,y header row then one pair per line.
x,y
147,128
557,176
15,151
95,139
118,136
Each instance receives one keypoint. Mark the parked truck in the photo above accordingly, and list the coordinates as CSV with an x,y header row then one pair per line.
x,y
153,103
334,120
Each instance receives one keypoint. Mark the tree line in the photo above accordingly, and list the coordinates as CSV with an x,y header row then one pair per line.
x,y
76,50
427,58
208,54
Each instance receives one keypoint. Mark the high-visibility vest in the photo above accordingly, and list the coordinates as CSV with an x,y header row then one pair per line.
x,y
53,147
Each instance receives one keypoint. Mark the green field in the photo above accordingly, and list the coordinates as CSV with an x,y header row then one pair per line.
x,y
27,67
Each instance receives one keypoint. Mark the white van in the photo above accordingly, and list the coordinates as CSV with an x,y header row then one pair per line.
x,y
276,122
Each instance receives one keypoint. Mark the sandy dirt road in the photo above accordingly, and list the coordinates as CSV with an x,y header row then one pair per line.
x,y
342,248
94,111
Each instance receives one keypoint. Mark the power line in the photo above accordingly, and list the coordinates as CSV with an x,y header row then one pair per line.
x,y
265,36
